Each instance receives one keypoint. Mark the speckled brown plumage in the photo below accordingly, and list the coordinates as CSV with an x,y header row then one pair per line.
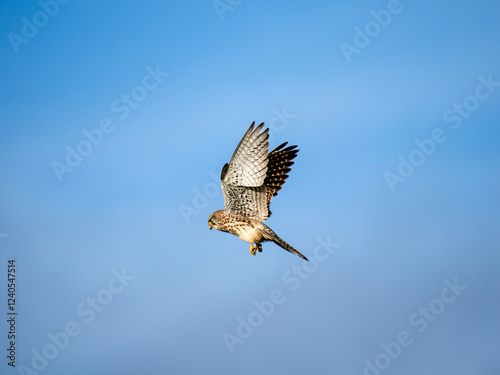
x,y
278,167
249,181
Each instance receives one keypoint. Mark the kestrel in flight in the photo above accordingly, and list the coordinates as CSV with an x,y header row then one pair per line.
x,y
249,181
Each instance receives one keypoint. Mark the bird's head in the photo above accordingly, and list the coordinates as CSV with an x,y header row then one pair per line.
x,y
213,220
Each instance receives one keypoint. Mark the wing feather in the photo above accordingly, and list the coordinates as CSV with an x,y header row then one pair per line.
x,y
248,165
278,167
253,175
242,179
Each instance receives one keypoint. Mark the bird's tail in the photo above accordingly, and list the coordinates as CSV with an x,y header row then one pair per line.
x,y
271,236
278,241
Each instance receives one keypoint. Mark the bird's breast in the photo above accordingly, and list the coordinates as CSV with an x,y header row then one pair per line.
x,y
249,234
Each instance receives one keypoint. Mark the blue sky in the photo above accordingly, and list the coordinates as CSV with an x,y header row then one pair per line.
x,y
116,116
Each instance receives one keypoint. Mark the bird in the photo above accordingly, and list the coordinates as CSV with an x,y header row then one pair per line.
x,y
249,181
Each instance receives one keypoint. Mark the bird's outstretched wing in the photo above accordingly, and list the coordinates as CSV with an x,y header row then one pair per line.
x,y
278,167
254,176
242,179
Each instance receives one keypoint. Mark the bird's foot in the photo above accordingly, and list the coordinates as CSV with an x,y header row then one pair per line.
x,y
257,247
252,249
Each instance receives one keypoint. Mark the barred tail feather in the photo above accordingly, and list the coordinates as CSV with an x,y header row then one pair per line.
x,y
278,241
269,235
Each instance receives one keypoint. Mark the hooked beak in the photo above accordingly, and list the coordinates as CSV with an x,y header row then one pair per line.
x,y
210,226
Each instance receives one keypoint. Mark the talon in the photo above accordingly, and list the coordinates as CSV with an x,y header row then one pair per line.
x,y
259,247
252,249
